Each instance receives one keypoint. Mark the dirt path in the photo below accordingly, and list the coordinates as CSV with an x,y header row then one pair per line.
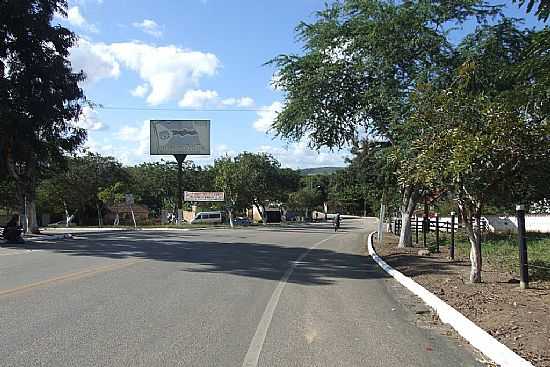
x,y
518,318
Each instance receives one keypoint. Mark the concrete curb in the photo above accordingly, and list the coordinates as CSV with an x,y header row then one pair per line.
x,y
476,336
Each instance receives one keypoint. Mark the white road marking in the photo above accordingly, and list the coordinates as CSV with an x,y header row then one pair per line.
x,y
257,343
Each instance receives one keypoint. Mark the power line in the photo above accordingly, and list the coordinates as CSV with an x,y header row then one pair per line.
x,y
121,108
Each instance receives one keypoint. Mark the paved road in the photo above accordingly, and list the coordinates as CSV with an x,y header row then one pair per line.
x,y
297,296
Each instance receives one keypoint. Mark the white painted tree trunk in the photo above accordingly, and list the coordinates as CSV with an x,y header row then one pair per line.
x,y
408,205
31,214
261,213
474,237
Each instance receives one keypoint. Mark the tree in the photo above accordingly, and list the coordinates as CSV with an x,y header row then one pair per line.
x,y
156,183
305,199
542,11
362,61
39,94
478,137
78,188
230,179
263,179
367,179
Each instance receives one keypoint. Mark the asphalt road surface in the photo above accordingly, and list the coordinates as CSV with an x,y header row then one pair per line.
x,y
295,296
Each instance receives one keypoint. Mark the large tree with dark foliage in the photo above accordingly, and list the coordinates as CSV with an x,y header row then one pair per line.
x,y
39,94
362,60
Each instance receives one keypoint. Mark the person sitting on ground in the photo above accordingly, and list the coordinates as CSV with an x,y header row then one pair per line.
x,y
12,230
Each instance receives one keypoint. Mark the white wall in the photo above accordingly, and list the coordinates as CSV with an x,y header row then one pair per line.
x,y
534,223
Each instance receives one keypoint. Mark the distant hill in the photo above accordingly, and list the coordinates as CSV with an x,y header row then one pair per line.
x,y
319,171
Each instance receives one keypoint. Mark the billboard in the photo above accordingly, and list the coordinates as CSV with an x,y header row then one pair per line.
x,y
170,137
203,196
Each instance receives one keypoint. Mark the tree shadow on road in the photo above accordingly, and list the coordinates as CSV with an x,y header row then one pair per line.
x,y
256,260
413,265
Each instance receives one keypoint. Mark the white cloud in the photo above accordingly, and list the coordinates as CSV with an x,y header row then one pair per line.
x,y
169,71
239,102
139,137
267,117
149,26
198,98
140,90
89,120
95,59
299,155
76,19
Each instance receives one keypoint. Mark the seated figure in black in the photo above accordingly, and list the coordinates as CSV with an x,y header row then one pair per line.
x,y
12,230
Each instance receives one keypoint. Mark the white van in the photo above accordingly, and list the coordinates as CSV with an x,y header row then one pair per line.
x,y
207,218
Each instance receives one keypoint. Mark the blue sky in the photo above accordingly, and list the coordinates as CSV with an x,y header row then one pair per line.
x,y
189,54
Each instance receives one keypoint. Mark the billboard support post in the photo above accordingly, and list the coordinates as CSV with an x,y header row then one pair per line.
x,y
180,158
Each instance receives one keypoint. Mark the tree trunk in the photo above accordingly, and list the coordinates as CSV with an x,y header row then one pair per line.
x,y
27,208
31,212
474,236
264,216
67,218
231,218
99,219
261,213
408,205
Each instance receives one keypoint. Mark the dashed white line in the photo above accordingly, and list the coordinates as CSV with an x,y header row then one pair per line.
x,y
257,343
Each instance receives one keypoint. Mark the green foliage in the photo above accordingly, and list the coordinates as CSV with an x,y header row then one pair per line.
x,y
305,199
115,194
78,189
39,92
156,183
361,61
229,178
477,137
542,10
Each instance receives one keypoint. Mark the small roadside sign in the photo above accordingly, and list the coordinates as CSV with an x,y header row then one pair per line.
x,y
204,196
129,199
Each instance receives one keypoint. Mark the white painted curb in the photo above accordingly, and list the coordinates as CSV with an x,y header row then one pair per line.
x,y
476,336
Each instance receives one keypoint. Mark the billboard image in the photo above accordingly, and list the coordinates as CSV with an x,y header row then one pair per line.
x,y
203,196
169,137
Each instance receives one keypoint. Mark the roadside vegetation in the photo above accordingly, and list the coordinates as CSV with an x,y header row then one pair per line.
x,y
425,113
500,251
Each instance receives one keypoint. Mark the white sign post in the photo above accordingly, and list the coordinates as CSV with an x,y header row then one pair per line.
x,y
130,202
180,138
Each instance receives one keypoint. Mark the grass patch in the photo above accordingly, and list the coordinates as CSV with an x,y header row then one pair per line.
x,y
501,251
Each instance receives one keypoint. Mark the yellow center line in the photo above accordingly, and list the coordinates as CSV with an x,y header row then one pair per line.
x,y
69,276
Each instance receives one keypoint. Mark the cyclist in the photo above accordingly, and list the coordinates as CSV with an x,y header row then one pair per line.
x,y
337,222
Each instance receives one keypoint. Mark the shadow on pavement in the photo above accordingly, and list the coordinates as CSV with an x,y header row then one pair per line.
x,y
265,261
418,265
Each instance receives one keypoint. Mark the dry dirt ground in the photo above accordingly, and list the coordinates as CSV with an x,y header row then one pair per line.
x,y
518,318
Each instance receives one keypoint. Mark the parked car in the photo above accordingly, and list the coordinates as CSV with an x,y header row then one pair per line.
x,y
207,218
242,221
291,217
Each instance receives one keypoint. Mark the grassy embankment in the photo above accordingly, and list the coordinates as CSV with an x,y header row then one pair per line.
x,y
501,251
